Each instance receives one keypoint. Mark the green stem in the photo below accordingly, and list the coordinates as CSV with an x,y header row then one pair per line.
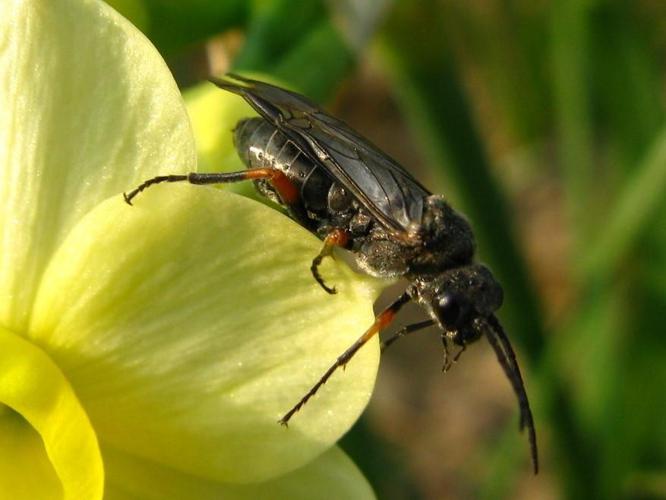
x,y
570,63
637,205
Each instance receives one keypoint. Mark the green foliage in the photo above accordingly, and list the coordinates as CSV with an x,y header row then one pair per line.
x,y
172,24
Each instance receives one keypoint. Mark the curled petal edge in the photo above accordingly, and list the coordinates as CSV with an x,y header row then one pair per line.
x,y
35,388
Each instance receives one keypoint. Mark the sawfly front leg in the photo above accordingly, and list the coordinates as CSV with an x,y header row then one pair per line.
x,y
382,320
336,238
286,189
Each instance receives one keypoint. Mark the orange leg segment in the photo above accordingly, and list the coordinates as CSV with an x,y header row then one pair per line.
x,y
288,192
381,321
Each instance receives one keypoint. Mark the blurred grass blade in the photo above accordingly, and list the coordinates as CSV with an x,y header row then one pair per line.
x,y
274,29
628,106
173,25
570,55
357,19
334,60
637,205
301,47
490,37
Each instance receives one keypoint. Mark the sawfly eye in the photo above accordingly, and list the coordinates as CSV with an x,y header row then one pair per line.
x,y
451,310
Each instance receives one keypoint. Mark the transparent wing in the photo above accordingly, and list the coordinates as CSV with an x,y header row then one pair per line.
x,y
380,184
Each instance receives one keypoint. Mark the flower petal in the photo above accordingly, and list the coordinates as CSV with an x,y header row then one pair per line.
x,y
88,108
214,113
48,446
332,475
190,323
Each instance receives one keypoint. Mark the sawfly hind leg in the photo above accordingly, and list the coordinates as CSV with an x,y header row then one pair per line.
x,y
285,188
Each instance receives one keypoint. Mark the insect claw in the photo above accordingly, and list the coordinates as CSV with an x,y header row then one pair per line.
x,y
462,349
447,358
335,238
127,199
315,273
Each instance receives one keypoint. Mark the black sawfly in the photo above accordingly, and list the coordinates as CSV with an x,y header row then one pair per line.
x,y
342,188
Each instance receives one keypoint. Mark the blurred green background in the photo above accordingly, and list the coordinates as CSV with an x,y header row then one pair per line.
x,y
544,124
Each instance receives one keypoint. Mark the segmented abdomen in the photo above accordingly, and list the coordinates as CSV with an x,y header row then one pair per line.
x,y
261,145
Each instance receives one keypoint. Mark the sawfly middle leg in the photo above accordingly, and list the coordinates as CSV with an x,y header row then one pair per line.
x,y
336,238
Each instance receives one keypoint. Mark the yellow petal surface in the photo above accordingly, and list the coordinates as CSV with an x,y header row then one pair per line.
x,y
214,113
49,449
88,108
190,323
332,475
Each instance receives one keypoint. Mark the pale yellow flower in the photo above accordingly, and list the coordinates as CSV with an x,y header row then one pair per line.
x,y
148,351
